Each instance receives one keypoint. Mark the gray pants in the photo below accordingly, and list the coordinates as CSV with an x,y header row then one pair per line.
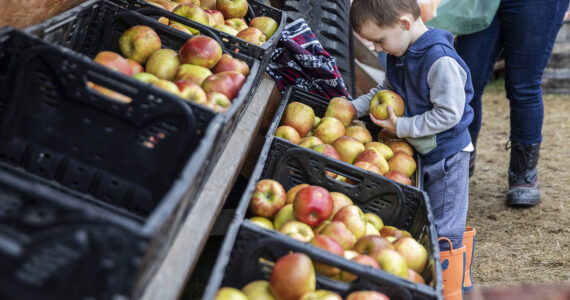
x,y
447,184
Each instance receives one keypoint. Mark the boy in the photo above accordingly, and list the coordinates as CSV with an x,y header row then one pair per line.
x,y
424,69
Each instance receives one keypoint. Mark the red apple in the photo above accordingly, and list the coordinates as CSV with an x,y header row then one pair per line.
x,y
353,217
266,24
252,35
238,24
399,177
312,205
372,156
135,66
228,63
310,141
329,129
368,166
217,16
163,63
191,91
268,198
298,231
340,200
391,231
414,276
384,149
360,133
329,244
327,150
341,109
413,252
392,262
292,192
229,293
341,234
299,116
114,61
289,133
400,146
284,215
220,83
232,8
139,42
402,163
219,101
363,260
237,77
348,148
381,100
292,276
369,244
196,74
367,295
201,51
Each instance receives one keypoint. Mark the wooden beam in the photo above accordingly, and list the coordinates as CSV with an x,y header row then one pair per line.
x,y
365,55
21,14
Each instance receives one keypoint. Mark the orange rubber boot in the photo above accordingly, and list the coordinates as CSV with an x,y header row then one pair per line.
x,y
453,271
469,243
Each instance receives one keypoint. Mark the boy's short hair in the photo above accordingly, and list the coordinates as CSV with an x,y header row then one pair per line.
x,y
381,12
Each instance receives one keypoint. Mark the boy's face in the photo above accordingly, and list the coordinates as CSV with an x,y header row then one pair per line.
x,y
393,40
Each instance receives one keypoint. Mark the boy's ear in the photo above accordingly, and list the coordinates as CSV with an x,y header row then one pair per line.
x,y
405,22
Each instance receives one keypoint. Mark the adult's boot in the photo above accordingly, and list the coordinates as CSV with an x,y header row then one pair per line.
x,y
523,175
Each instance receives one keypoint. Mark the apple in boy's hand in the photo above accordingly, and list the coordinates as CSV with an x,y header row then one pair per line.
x,y
381,100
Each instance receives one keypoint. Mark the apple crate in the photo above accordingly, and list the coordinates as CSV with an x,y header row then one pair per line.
x,y
96,25
92,191
319,105
402,206
256,9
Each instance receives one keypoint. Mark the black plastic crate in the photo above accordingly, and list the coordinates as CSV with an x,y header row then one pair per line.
x,y
404,207
256,9
96,26
319,105
134,168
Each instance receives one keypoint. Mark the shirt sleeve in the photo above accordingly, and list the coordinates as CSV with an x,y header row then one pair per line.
x,y
362,103
446,80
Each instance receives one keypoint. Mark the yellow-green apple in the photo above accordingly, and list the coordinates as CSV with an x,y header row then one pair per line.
x,y
360,133
348,148
350,254
114,61
299,116
329,244
385,135
367,295
229,63
363,260
201,51
219,101
180,27
238,24
374,219
318,229
298,231
229,293
400,146
135,66
413,252
262,222
402,163
341,109
414,276
166,85
220,83
292,192
266,24
194,73
312,205
329,129
368,166
163,63
289,133
321,295
398,177
208,4
292,276
232,8
327,150
380,101
267,198
109,93
194,13
353,217
384,149
391,231
191,91
392,262
369,244
284,215
226,28
372,156
310,141
340,200
258,290
339,232
216,15
317,121
139,42
371,230
145,77
252,35
237,77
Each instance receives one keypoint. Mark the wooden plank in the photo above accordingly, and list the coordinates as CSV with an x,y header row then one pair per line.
x,y
170,279
364,80
21,14
365,55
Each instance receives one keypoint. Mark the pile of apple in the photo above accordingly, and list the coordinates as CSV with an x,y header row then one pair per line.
x,y
339,136
224,15
331,221
198,72
292,277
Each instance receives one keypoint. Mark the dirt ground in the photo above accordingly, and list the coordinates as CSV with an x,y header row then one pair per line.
x,y
521,245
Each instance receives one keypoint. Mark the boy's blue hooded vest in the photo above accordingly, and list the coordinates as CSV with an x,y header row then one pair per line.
x,y
408,76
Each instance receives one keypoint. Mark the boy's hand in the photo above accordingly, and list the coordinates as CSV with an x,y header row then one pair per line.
x,y
389,123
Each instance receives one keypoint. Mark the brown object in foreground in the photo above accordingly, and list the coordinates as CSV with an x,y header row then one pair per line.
x,y
21,14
